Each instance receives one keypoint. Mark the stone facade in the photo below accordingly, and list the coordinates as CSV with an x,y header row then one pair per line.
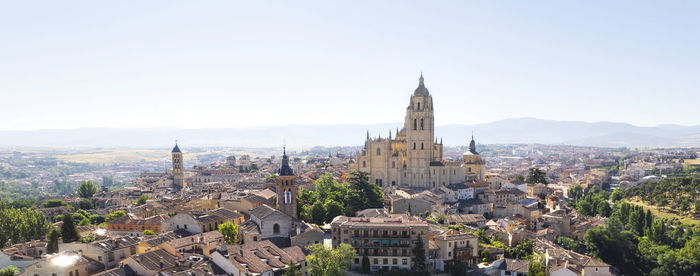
x,y
413,158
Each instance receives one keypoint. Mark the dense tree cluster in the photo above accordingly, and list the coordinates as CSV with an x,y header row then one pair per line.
x,y
676,193
21,225
331,199
638,243
523,250
592,202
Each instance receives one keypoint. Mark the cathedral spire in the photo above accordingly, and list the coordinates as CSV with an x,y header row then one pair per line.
x,y
390,134
472,145
368,134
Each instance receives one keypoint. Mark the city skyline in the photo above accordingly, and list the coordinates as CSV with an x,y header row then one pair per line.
x,y
233,65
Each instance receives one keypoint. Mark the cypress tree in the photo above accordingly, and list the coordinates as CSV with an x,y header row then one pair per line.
x,y
419,255
68,230
365,265
52,246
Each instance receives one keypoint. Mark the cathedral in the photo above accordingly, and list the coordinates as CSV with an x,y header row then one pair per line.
x,y
413,157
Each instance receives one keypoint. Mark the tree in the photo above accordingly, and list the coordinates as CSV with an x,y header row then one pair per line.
x,y
318,214
568,243
329,262
230,232
292,269
115,215
616,195
458,268
9,271
87,189
603,209
535,175
365,265
85,222
52,245
362,194
86,204
576,192
419,255
54,203
148,232
68,230
142,200
332,210
536,269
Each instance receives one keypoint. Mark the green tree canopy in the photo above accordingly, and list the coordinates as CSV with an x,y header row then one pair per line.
x,y
52,245
419,259
115,215
535,175
87,188
292,269
9,271
329,262
142,200
230,232
68,229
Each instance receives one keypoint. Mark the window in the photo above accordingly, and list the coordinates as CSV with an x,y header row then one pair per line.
x,y
376,261
379,151
418,106
421,145
276,228
99,258
255,238
404,261
415,124
414,145
395,261
185,226
77,273
393,164
364,164
421,124
70,273
449,254
357,260
385,261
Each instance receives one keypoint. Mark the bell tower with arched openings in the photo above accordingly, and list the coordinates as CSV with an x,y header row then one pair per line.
x,y
286,186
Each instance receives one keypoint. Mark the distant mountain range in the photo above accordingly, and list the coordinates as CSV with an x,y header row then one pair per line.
x,y
509,131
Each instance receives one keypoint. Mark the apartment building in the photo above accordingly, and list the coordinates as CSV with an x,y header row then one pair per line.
x,y
386,241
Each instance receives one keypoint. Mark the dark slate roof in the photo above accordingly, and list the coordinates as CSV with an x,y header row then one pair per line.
x,y
285,169
176,148
421,90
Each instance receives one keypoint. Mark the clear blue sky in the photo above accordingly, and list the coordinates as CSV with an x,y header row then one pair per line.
x,y
68,64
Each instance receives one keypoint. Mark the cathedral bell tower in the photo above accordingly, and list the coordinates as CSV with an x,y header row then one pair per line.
x,y
420,131
178,168
286,187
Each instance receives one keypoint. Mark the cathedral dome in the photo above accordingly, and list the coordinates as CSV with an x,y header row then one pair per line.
x,y
421,90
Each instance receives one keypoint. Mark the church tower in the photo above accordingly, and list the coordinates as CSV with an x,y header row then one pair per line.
x,y
420,131
286,187
178,167
474,166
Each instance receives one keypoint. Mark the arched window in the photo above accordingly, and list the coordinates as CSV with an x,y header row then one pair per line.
x,y
414,145
421,145
415,124
469,169
379,151
276,228
364,164
418,106
421,124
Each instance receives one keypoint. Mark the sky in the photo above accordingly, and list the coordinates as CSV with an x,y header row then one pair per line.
x,y
229,64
